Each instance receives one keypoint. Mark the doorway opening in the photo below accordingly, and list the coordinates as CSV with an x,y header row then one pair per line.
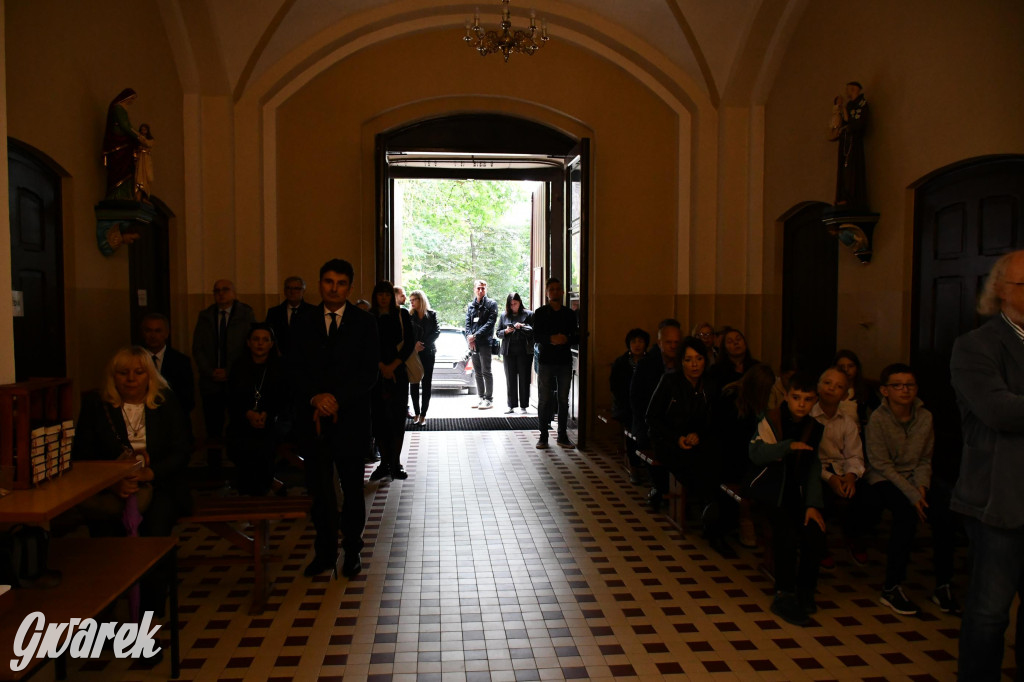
x,y
506,152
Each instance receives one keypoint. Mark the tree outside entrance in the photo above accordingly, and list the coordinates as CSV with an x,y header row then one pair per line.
x,y
456,231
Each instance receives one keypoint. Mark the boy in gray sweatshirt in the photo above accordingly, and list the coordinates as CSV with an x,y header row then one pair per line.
x,y
899,440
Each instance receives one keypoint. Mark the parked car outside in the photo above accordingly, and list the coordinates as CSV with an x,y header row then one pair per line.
x,y
453,368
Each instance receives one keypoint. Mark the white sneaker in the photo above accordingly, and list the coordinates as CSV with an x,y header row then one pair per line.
x,y
478,404
485,405
522,410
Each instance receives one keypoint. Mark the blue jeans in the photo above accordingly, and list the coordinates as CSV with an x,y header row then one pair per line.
x,y
997,576
552,379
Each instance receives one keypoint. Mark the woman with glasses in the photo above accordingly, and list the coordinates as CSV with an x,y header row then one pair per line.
x,y
706,333
424,320
516,337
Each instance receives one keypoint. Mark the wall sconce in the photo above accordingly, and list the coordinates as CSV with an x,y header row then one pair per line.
x,y
853,229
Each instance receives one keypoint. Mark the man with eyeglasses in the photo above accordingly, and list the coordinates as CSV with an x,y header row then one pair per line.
x,y
283,317
218,340
987,369
900,440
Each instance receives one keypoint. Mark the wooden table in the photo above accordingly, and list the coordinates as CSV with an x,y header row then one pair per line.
x,y
95,572
50,498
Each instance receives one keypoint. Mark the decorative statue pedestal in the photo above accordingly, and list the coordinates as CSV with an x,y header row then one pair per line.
x,y
852,228
118,221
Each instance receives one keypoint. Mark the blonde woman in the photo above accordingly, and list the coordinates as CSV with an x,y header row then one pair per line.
x,y
135,416
424,320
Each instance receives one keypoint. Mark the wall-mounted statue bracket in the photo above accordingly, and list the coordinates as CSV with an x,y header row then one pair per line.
x,y
118,221
854,229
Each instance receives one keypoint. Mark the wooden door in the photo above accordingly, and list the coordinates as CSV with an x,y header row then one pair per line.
x,y
37,265
149,271
810,288
964,220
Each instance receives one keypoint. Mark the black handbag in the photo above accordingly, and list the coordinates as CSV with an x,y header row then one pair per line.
x,y
23,554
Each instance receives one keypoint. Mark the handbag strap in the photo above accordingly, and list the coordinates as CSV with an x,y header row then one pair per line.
x,y
126,448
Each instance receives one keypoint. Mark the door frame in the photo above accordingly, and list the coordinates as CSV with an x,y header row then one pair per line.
x,y
490,133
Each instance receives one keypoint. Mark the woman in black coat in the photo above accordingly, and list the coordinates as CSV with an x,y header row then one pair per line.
x,y
136,416
424,320
516,335
397,338
679,420
256,398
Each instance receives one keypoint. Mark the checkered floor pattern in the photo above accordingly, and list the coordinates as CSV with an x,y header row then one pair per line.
x,y
498,561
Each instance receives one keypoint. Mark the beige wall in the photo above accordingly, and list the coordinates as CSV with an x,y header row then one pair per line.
x,y
65,62
325,177
944,84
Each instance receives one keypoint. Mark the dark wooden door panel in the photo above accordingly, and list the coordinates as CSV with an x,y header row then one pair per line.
x,y
965,219
37,265
810,288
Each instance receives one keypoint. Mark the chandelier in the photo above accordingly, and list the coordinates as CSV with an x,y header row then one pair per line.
x,y
505,40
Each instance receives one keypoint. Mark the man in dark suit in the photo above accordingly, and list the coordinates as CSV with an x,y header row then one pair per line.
x,y
174,366
333,367
987,368
219,339
281,317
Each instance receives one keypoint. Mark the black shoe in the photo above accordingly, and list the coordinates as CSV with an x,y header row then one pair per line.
x,y
352,566
382,471
807,602
510,410
320,564
943,597
654,500
542,442
787,607
896,600
563,441
399,473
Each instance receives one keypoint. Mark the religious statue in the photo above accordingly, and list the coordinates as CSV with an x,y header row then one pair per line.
x,y
144,164
849,121
120,143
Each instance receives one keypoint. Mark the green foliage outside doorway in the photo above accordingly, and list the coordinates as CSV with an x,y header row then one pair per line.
x,y
456,231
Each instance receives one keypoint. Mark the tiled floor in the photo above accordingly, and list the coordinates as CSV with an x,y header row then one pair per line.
x,y
498,561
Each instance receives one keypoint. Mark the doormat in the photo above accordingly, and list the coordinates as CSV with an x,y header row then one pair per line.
x,y
476,424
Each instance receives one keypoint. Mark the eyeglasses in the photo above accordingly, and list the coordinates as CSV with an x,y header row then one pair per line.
x,y
902,387
222,290
294,288
705,334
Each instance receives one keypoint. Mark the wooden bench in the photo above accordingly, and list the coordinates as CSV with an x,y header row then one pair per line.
x,y
221,514
676,495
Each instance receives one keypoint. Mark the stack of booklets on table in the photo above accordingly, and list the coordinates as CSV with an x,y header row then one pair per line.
x,y
51,450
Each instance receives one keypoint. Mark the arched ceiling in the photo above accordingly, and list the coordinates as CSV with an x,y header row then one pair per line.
x,y
722,45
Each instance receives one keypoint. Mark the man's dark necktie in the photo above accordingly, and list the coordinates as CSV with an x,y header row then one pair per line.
x,y
291,314
222,341
334,325
156,361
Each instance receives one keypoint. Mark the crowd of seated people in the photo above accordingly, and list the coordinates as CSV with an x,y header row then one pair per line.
x,y
788,451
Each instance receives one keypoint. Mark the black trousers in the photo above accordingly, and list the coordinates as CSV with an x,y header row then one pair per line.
x,y
517,379
389,397
428,374
323,456
253,452
797,549
884,495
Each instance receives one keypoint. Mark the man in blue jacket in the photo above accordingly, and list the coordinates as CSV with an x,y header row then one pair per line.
x,y
987,369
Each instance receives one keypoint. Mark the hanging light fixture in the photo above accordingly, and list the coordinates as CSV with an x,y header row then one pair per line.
x,y
505,40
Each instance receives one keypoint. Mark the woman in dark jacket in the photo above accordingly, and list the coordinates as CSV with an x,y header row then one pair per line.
x,y
256,398
623,369
733,362
397,338
516,336
679,420
136,416
424,320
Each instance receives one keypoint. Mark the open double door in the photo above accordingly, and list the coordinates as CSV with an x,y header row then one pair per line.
x,y
498,147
